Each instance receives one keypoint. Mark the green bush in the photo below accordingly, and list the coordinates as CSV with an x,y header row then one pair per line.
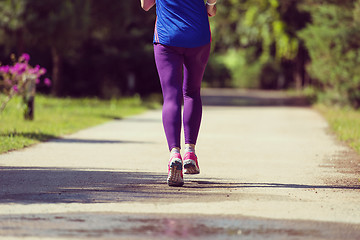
x,y
243,73
333,43
217,75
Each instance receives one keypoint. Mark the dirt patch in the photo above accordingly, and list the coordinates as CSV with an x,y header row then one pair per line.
x,y
348,163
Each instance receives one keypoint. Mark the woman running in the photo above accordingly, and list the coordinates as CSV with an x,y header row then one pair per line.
x,y
181,47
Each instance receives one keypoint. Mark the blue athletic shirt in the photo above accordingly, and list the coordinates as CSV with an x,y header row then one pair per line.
x,y
182,23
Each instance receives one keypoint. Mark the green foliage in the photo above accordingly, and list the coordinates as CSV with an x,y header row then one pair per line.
x,y
103,48
242,73
91,48
11,12
54,21
254,23
217,75
333,42
251,35
11,23
56,117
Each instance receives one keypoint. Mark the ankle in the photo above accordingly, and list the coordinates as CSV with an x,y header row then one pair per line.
x,y
190,148
174,150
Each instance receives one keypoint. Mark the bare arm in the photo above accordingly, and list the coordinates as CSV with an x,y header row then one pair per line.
x,y
147,4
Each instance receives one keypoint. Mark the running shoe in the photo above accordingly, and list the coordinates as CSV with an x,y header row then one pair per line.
x,y
191,165
175,172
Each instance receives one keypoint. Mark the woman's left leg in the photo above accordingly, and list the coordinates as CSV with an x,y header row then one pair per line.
x,y
195,61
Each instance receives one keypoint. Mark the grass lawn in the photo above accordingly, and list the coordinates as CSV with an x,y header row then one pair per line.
x,y
55,117
345,122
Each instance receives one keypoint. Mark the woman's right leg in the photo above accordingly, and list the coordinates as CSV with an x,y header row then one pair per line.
x,y
169,63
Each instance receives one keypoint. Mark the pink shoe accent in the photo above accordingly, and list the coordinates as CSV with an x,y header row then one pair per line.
x,y
191,165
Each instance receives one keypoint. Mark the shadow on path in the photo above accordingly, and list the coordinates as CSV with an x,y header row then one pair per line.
x,y
212,184
47,137
30,135
65,185
96,141
251,98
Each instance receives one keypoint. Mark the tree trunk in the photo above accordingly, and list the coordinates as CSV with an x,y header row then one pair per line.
x,y
29,108
300,75
56,84
29,98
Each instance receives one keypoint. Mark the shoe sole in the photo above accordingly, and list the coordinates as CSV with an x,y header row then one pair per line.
x,y
175,179
191,168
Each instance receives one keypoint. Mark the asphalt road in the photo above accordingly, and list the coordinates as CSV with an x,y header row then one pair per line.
x,y
270,169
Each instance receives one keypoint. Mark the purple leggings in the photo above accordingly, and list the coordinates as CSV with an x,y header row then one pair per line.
x,y
181,71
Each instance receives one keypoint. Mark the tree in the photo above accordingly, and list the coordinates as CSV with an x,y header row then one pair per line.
x,y
60,27
333,42
12,24
263,34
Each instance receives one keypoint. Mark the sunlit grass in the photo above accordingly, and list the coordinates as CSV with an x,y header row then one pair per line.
x,y
345,122
55,117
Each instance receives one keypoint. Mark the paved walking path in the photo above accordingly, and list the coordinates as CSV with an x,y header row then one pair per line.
x,y
268,170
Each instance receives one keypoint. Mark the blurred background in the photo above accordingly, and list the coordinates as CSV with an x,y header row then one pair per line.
x,y
104,48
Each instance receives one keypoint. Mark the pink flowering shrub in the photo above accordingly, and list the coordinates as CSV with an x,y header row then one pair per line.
x,y
20,79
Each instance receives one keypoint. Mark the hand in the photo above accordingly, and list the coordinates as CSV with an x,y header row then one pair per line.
x,y
147,4
211,10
